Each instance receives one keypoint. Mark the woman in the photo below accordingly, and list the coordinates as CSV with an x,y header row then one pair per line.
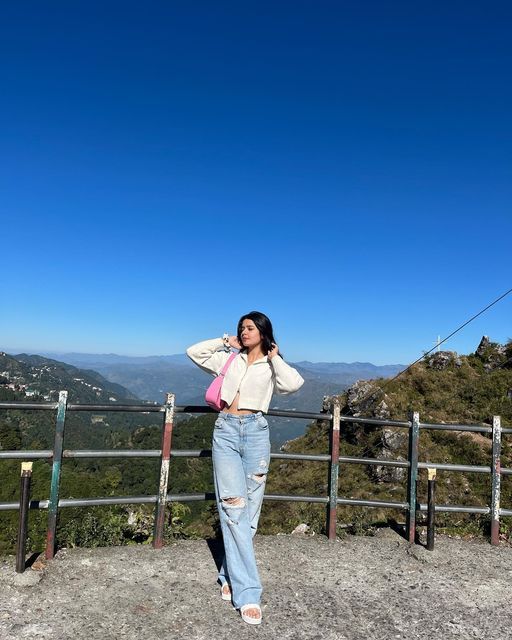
x,y
241,446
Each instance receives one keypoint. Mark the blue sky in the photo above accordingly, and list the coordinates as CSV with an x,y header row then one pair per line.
x,y
343,167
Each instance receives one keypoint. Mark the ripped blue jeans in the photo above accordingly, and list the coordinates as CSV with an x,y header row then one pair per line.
x,y
241,455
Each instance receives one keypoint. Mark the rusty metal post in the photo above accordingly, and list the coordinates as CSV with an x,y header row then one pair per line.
x,y
431,503
21,541
412,479
334,466
158,533
496,480
53,503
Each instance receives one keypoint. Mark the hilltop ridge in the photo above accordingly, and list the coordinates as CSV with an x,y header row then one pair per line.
x,y
35,376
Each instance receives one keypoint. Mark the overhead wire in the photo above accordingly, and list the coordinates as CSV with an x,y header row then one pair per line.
x,y
388,382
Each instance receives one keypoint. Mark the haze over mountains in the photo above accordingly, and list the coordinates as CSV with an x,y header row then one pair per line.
x,y
149,378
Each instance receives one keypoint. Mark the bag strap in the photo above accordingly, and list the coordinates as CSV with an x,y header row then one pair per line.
x,y
228,362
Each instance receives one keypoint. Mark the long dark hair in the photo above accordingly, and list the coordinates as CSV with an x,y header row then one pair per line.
x,y
263,325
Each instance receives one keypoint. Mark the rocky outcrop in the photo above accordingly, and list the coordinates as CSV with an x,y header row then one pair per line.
x,y
442,360
492,354
392,440
364,398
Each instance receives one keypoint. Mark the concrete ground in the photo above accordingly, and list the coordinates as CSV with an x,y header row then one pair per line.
x,y
353,588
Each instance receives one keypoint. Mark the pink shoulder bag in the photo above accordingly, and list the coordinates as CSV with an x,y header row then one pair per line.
x,y
213,392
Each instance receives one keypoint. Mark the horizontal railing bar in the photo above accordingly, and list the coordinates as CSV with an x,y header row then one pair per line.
x,y
320,457
206,453
474,428
43,406
96,502
454,467
315,499
112,453
153,408
272,412
129,408
376,461
29,455
194,408
82,502
90,502
158,408
278,413
14,506
454,508
377,421
372,503
191,453
190,497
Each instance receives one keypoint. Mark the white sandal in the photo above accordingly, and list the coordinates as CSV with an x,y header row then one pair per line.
x,y
223,594
247,618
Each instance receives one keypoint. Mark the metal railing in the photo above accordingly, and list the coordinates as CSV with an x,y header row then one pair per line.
x,y
411,506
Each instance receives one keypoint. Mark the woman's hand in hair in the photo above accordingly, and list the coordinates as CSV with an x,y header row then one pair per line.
x,y
274,351
233,342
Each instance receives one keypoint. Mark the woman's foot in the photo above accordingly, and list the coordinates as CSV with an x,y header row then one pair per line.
x,y
225,591
251,613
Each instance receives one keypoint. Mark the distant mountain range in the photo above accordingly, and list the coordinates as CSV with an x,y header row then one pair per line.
x,y
149,378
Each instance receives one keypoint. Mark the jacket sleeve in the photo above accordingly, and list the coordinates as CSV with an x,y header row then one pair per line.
x,y
286,378
207,355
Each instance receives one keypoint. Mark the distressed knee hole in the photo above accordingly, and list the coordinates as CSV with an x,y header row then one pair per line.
x,y
259,477
237,502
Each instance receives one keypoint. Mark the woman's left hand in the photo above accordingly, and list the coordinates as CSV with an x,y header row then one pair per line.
x,y
273,352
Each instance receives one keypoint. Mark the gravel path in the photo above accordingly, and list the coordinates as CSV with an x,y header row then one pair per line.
x,y
354,588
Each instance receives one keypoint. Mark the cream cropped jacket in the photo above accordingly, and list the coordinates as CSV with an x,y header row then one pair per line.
x,y
256,382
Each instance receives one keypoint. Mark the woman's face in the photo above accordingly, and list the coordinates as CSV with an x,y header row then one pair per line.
x,y
251,336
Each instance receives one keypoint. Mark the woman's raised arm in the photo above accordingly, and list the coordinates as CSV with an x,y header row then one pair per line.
x,y
208,355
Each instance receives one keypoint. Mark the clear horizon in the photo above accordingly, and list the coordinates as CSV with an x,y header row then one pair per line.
x,y
343,168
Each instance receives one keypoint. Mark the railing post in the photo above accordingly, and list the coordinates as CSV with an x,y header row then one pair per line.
x,y
21,541
158,533
334,468
431,504
56,469
414,433
496,480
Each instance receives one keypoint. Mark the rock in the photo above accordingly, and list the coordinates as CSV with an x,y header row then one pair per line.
x,y
443,359
26,579
385,473
491,353
393,439
485,343
388,533
382,411
361,399
301,528
38,565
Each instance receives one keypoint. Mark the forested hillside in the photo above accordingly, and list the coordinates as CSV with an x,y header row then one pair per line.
x,y
444,388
